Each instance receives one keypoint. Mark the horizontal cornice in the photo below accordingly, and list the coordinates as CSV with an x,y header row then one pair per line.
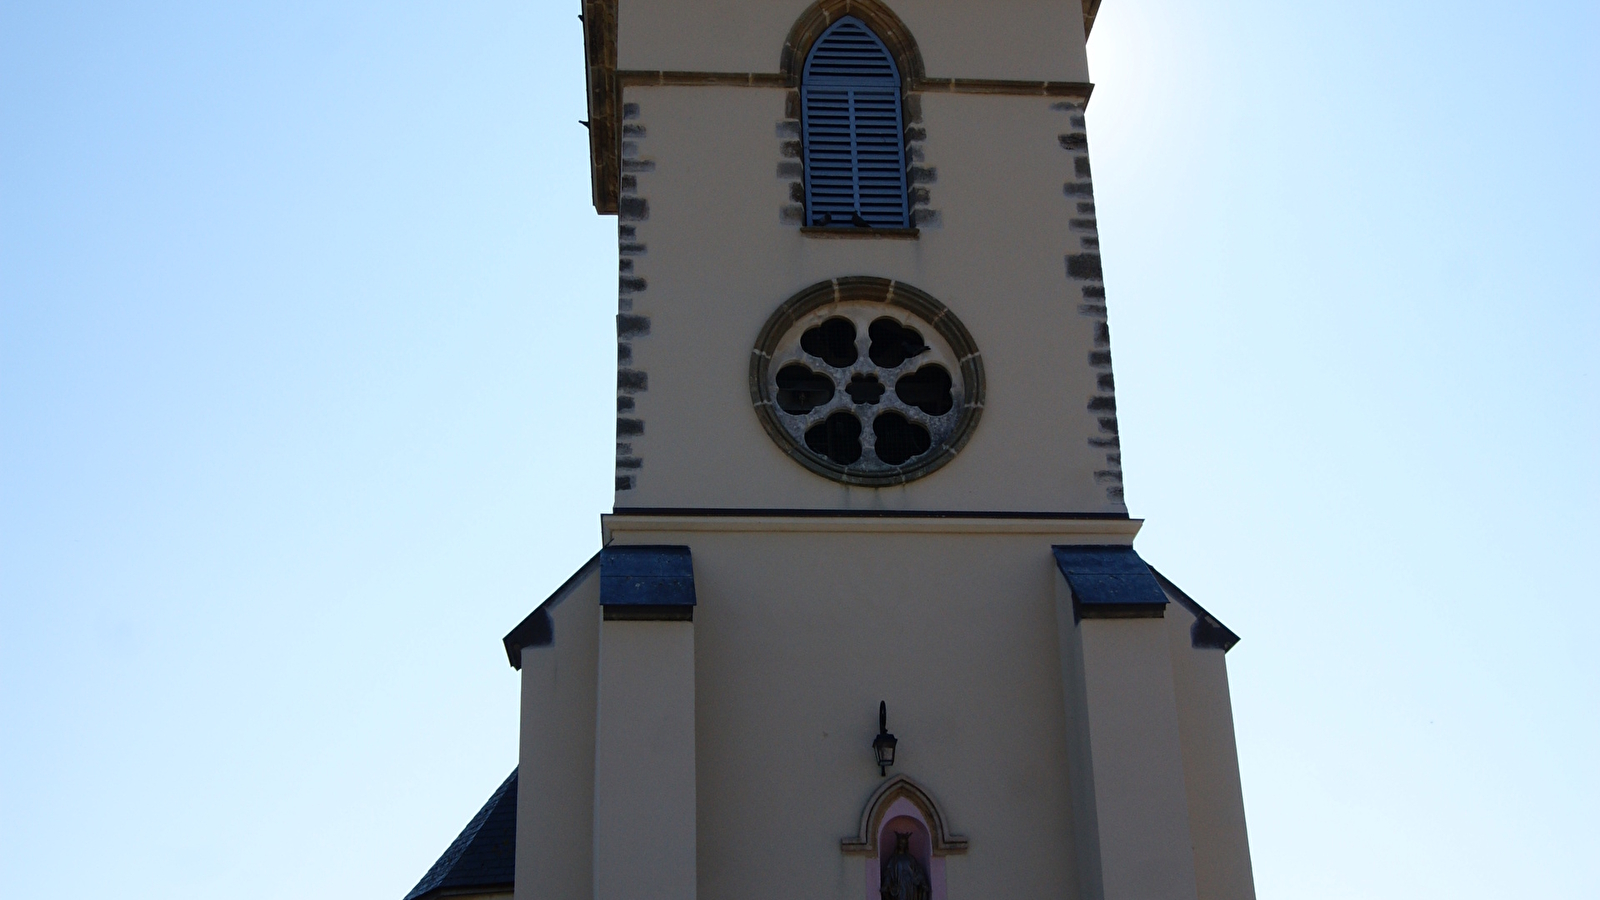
x,y
637,78
1077,89
1066,528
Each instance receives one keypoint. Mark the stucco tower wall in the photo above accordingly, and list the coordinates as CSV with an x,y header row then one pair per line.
x,y
1210,764
555,800
801,631
710,245
708,259
1118,673
1089,883
1021,40
743,739
644,798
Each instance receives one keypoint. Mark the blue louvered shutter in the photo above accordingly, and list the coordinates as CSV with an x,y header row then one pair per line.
x,y
855,150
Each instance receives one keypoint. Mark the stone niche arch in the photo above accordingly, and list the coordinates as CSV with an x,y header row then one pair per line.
x,y
880,18
901,805
886,799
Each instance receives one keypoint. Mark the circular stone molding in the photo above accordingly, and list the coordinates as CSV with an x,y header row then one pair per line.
x,y
867,381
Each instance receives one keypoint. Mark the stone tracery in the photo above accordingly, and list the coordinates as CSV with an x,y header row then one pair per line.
x,y
867,381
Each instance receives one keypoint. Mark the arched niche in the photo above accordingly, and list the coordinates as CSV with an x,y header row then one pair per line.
x,y
901,806
880,18
902,796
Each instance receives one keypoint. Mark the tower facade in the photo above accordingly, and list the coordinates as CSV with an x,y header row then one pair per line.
x,y
753,152
867,452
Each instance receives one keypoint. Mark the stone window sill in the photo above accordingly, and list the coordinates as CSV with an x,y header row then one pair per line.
x,y
903,234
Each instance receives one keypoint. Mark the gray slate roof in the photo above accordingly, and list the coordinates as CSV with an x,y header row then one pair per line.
x,y
483,857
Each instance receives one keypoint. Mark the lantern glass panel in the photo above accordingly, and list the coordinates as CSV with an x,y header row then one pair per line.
x,y
885,746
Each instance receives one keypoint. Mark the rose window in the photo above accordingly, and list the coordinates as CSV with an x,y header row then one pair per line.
x,y
867,381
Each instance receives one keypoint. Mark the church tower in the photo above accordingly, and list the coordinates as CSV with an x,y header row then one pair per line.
x,y
867,605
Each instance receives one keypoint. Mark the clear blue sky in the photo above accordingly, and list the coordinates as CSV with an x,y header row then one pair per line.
x,y
305,400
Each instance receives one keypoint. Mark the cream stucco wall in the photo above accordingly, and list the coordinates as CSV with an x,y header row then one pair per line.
x,y
1005,39
719,261
644,773
1210,764
799,634
555,795
802,626
1130,803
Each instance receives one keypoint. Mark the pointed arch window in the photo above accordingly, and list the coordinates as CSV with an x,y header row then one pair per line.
x,y
852,131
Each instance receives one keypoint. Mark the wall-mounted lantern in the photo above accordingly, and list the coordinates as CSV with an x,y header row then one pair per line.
x,y
883,744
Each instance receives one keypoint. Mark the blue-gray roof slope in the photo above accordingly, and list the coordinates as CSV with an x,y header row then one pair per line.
x,y
483,857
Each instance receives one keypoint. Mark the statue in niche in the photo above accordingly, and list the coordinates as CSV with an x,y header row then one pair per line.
x,y
903,877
